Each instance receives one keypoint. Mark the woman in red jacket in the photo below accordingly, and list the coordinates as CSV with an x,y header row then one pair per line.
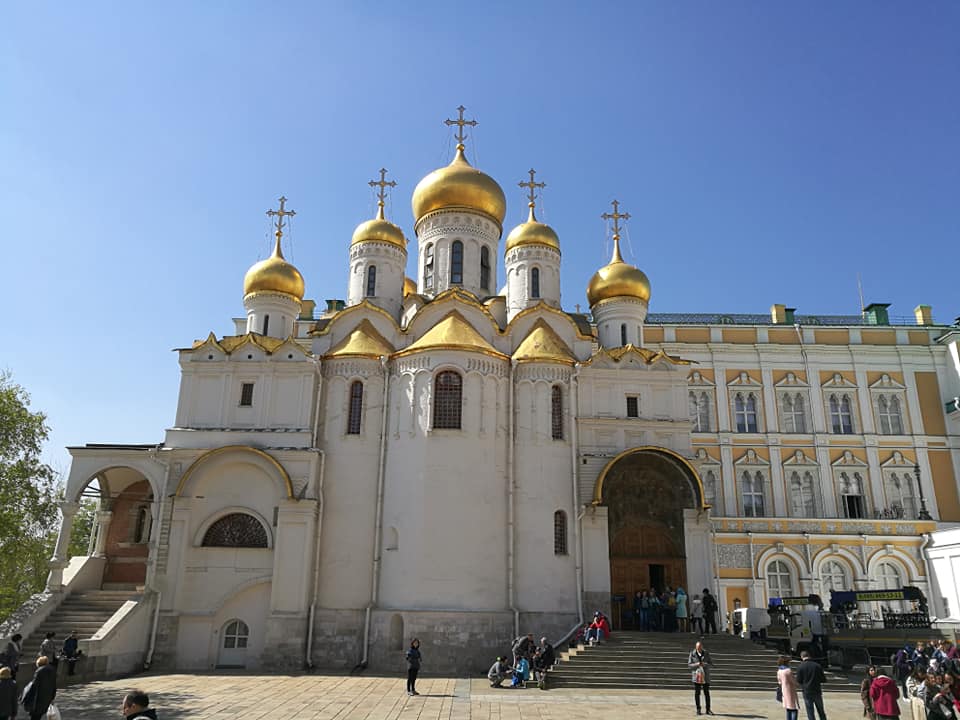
x,y
884,693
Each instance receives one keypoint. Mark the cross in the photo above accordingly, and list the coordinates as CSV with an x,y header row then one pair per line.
x,y
280,214
383,184
532,185
460,122
616,215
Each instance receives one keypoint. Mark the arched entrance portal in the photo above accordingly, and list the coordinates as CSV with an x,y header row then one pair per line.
x,y
647,492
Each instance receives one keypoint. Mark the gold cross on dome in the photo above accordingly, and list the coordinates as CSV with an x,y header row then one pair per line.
x,y
461,123
383,184
280,215
616,216
532,185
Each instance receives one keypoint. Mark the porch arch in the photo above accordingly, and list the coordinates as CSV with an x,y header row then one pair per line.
x,y
259,457
686,468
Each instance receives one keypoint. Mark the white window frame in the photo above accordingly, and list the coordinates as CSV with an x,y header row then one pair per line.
x,y
698,400
805,480
744,407
790,415
776,571
833,576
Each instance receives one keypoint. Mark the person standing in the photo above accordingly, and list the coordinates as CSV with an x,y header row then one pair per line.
x,y
8,695
413,666
710,608
696,615
700,663
41,691
10,657
884,693
136,706
71,651
682,610
788,688
865,698
49,648
811,679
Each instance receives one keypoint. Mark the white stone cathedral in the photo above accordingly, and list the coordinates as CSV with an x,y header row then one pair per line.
x,y
442,459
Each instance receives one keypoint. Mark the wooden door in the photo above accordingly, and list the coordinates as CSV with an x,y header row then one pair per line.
x,y
632,552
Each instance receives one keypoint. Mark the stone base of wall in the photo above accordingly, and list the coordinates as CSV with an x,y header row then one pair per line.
x,y
337,638
165,649
285,644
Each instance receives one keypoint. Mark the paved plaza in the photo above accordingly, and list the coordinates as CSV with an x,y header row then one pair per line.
x,y
339,697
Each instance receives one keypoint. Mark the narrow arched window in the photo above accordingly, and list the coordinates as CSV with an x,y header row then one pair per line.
x,y
372,281
623,334
236,530
428,267
447,400
266,324
485,268
779,579
456,263
556,412
559,533
355,414
535,283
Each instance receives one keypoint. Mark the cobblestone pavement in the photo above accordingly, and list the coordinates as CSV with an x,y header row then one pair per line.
x,y
338,697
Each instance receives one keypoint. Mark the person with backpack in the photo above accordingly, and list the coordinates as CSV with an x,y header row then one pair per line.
x,y
136,706
710,609
39,693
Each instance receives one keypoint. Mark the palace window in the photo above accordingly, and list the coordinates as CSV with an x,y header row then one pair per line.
x,y
633,406
456,263
485,268
841,414
710,488
745,412
700,411
355,414
535,283
246,395
803,494
372,281
141,526
559,533
888,578
556,412
428,267
900,497
447,400
779,579
852,502
266,324
794,412
623,334
833,577
236,530
751,492
891,419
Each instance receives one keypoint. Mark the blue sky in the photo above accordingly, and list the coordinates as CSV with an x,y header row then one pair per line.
x,y
767,151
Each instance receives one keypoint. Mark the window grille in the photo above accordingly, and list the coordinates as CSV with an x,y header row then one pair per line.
x,y
556,412
236,530
372,281
633,406
356,408
559,533
485,268
447,400
535,283
456,263
236,635
246,395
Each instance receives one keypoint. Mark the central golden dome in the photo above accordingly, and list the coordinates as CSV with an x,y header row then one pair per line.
x,y
379,229
618,279
459,185
532,232
274,275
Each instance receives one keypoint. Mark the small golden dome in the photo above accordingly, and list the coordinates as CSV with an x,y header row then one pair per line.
x,y
618,279
532,232
381,230
274,275
459,185
409,286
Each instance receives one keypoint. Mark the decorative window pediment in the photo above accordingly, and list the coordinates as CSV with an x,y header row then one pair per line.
x,y
885,382
705,458
744,379
897,460
750,457
848,459
838,381
696,379
790,380
799,457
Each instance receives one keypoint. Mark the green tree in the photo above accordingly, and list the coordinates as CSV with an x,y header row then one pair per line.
x,y
29,517
82,528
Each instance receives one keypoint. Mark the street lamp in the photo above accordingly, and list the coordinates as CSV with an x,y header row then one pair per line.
x,y
923,515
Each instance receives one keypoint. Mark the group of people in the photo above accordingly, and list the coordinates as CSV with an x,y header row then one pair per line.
x,y
37,695
529,660
675,611
928,675
808,679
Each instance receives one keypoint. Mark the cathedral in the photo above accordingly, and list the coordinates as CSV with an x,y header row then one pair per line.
x,y
457,457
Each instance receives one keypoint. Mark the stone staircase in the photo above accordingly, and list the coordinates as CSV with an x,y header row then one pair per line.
x,y
648,660
84,612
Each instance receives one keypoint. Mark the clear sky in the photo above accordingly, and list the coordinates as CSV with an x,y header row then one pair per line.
x,y
767,151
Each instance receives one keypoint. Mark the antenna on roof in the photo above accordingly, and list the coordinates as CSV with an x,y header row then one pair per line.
x,y
860,290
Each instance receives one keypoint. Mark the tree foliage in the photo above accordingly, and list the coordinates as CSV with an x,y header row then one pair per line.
x,y
28,494
83,523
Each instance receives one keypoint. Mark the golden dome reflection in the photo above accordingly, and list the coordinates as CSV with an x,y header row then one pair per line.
x,y
379,230
274,275
532,232
618,279
459,185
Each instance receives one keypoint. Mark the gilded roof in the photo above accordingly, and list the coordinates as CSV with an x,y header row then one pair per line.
x,y
230,343
362,341
453,332
459,185
648,356
532,232
542,344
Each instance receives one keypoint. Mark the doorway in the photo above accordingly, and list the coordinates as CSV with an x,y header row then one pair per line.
x,y
234,639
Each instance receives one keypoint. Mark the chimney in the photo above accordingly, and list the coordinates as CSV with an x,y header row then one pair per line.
x,y
306,309
333,307
876,314
924,314
782,315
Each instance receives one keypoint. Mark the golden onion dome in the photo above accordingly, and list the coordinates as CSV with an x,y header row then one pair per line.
x,y
409,286
459,185
618,279
532,232
274,275
379,230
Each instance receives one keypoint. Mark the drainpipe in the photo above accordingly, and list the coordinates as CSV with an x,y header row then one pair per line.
x,y
511,510
378,523
927,540
316,561
155,528
577,543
